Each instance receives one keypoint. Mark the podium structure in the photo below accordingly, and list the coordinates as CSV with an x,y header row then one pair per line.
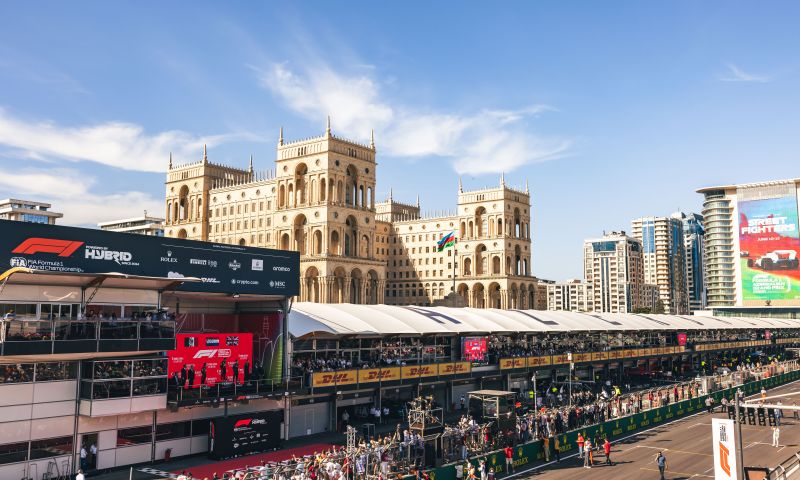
x,y
495,407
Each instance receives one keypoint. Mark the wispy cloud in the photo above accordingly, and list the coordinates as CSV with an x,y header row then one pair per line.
x,y
485,141
117,144
72,193
736,74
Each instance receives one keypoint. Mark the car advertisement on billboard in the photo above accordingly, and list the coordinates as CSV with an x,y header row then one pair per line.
x,y
769,246
205,359
246,434
222,268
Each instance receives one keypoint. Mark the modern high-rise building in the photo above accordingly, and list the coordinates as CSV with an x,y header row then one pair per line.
x,y
752,244
321,201
613,267
144,225
664,259
693,243
28,211
574,295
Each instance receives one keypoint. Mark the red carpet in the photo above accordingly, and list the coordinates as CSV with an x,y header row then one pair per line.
x,y
202,471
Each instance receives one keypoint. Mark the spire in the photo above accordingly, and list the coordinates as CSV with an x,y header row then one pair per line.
x,y
390,194
205,154
417,200
328,127
280,137
372,139
502,179
460,187
526,186
170,160
250,169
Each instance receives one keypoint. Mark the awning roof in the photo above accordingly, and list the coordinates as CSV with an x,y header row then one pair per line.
x,y
347,319
30,276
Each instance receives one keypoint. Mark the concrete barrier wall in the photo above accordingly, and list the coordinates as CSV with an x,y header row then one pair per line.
x,y
531,453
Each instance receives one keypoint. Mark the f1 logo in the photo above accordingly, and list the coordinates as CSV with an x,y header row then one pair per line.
x,y
63,248
205,354
242,423
723,459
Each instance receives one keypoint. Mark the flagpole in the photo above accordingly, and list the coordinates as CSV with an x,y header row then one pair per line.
x,y
455,256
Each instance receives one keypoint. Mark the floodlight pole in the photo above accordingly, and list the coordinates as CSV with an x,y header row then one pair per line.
x,y
739,443
569,358
535,404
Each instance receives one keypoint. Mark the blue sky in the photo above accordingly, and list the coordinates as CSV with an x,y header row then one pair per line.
x,y
610,111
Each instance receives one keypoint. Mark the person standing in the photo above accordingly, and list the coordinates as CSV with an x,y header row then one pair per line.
x,y
509,459
190,376
93,455
546,448
235,368
463,402
607,451
661,461
459,471
557,448
587,454
580,445
223,370
80,476
482,469
85,457
203,371
776,436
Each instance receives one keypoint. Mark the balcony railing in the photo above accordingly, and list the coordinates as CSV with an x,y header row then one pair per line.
x,y
250,389
29,337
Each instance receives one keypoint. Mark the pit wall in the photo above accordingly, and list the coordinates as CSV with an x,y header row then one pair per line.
x,y
530,454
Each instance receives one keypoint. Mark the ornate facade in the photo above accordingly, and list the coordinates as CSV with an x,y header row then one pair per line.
x,y
320,201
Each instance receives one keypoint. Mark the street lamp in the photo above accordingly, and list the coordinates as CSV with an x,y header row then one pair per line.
x,y
571,366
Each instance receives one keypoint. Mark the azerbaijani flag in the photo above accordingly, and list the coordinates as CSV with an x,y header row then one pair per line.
x,y
447,241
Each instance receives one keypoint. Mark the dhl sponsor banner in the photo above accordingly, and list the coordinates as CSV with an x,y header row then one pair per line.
x,y
615,354
599,356
629,353
419,371
581,357
559,359
369,375
538,361
454,368
329,379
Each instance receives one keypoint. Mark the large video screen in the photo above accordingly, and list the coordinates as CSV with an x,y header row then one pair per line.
x,y
239,435
769,248
474,349
222,268
210,358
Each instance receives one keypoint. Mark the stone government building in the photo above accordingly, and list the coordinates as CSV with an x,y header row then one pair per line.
x,y
320,201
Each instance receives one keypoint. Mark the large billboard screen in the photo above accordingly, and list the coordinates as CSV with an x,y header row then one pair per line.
x,y
769,248
474,349
223,268
239,435
205,359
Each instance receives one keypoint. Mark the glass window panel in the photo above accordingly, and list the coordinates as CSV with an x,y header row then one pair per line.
x,y
200,427
150,386
111,389
150,368
112,369
16,373
169,431
46,372
14,452
51,447
134,436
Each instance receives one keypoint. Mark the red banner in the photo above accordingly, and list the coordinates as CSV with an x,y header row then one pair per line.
x,y
682,339
210,358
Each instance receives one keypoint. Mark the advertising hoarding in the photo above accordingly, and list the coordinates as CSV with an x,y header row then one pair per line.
x,y
724,444
210,358
769,248
222,268
246,434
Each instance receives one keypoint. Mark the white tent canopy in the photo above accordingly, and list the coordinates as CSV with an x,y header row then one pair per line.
x,y
347,319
